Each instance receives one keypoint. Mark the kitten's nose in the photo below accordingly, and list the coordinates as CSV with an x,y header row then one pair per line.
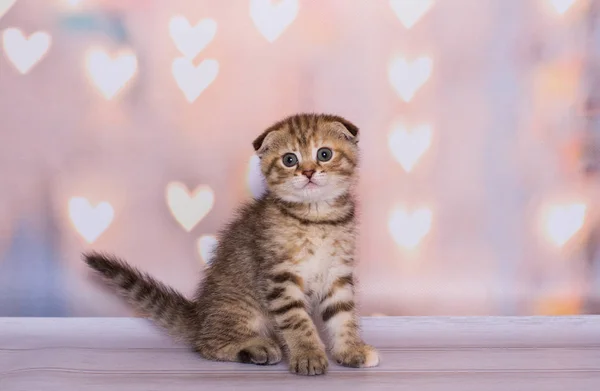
x,y
308,173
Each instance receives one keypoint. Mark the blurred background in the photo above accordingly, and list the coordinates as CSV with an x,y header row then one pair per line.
x,y
126,126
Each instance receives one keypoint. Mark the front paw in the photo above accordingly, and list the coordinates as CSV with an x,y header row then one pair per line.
x,y
309,362
361,356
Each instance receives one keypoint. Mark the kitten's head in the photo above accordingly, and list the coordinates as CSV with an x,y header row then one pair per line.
x,y
309,157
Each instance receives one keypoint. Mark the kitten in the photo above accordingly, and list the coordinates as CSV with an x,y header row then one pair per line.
x,y
286,256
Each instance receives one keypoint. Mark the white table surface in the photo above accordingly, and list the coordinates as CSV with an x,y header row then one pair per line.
x,y
418,353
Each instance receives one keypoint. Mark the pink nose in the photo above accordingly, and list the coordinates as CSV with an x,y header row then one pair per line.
x,y
308,173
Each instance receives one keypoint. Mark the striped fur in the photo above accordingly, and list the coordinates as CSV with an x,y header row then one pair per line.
x,y
167,307
284,258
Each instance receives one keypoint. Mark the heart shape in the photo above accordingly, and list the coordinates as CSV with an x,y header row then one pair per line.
x,y
407,77
190,41
187,208
409,228
25,52
5,5
410,11
562,6
272,19
193,80
563,221
90,221
206,245
255,179
408,146
110,74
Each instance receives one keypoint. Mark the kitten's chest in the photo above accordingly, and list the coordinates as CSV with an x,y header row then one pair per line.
x,y
321,255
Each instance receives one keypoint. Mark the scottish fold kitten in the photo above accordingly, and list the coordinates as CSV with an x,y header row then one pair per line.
x,y
285,257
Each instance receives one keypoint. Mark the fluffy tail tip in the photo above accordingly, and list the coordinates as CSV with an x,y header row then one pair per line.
x,y
102,263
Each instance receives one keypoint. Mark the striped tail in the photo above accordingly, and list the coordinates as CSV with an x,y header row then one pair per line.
x,y
165,306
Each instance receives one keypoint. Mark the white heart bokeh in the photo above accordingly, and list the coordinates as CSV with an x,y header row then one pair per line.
x,y
24,52
190,41
408,145
193,80
6,5
110,73
410,11
561,6
187,207
408,228
407,77
88,220
271,18
561,222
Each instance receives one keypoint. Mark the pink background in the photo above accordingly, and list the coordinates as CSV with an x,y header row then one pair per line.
x,y
497,152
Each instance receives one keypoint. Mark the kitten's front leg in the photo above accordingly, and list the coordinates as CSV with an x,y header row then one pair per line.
x,y
287,304
338,312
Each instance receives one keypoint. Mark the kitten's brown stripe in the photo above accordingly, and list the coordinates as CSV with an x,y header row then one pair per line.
x,y
340,282
288,307
341,221
302,324
272,165
286,276
276,293
334,309
294,322
296,128
291,128
348,159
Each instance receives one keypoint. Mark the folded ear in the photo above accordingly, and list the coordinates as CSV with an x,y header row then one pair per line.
x,y
347,129
261,143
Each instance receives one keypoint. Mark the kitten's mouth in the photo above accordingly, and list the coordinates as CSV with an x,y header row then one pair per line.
x,y
310,185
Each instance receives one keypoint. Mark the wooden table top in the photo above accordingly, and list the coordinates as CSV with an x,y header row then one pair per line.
x,y
417,353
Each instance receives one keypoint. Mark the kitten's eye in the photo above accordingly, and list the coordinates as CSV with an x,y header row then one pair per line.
x,y
324,154
289,160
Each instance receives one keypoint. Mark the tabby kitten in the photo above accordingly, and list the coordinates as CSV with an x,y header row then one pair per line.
x,y
286,256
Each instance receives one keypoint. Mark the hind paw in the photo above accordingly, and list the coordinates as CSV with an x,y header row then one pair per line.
x,y
260,352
